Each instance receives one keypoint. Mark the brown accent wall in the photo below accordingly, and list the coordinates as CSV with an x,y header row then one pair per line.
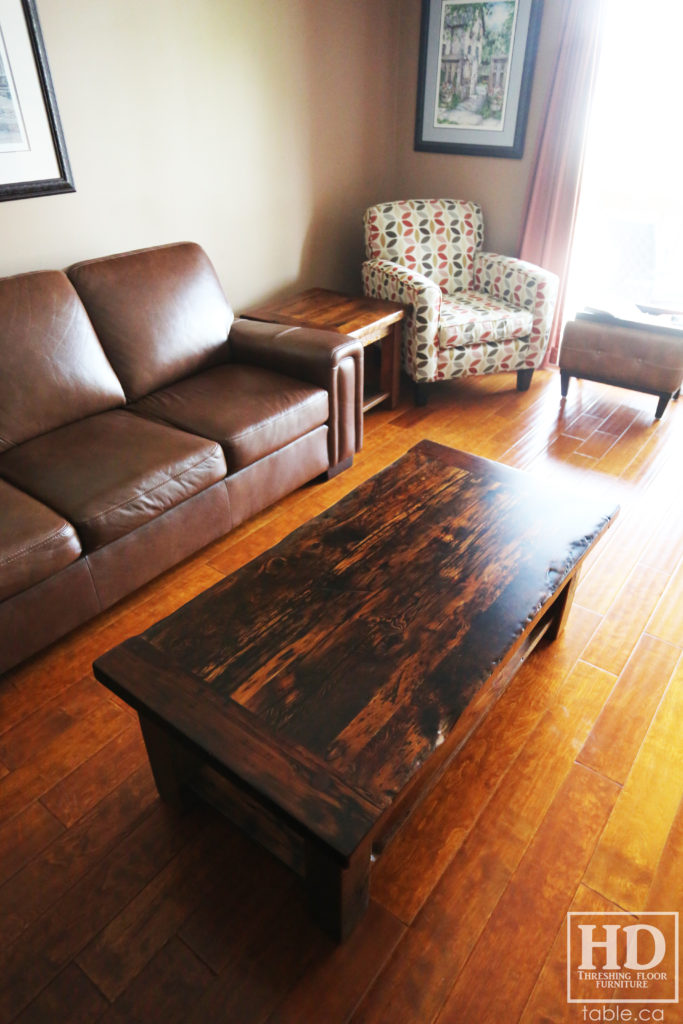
x,y
260,130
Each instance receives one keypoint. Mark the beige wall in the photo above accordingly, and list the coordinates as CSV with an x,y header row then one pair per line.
x,y
260,130
255,129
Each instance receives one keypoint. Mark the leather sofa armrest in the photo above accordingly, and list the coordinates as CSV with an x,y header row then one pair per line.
x,y
329,360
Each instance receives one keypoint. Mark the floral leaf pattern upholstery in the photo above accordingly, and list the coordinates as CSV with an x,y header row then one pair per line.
x,y
467,311
469,317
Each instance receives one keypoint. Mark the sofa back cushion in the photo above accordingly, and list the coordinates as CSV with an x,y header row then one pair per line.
x,y
160,313
53,370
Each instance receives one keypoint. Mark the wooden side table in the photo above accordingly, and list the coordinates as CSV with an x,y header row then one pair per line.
x,y
370,320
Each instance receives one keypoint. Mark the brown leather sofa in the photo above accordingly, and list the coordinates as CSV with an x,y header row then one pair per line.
x,y
139,421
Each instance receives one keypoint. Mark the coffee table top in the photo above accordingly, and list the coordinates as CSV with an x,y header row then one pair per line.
x,y
325,671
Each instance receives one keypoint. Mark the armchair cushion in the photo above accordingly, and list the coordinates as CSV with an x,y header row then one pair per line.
x,y
470,317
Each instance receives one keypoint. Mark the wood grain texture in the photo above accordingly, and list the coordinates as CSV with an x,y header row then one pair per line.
x,y
475,996
625,861
624,720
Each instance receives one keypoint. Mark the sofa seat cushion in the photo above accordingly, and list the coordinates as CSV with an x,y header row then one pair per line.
x,y
35,542
250,411
470,318
111,473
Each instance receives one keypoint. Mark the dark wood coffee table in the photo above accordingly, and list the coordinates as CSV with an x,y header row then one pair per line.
x,y
315,694
371,321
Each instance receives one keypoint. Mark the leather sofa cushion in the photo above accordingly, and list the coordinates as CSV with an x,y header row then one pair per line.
x,y
160,313
250,411
35,542
54,370
112,473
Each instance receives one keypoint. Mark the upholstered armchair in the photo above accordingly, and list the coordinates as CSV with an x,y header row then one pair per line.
x,y
468,311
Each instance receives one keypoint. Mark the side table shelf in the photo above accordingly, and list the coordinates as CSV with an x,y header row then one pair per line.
x,y
371,321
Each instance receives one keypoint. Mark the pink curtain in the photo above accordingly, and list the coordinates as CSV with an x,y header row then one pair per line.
x,y
552,200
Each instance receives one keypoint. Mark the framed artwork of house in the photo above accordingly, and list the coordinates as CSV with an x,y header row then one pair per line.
x,y
33,157
475,73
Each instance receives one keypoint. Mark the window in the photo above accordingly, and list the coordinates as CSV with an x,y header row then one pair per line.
x,y
628,247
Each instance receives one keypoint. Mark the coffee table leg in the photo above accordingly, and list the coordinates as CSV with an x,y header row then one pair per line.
x,y
337,896
561,607
171,764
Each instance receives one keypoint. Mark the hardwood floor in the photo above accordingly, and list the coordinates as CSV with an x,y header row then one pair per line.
x,y
568,797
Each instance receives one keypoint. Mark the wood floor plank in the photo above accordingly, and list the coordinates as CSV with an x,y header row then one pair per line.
x,y
619,731
23,837
548,999
18,745
149,921
666,890
70,999
99,775
47,946
46,879
338,978
166,990
527,918
665,621
60,757
625,862
617,635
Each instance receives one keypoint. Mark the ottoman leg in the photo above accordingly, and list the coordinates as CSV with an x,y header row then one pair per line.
x,y
564,382
524,379
662,404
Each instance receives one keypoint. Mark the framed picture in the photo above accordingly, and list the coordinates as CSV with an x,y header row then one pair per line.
x,y
476,67
33,158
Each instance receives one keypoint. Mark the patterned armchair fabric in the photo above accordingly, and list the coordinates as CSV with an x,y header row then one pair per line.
x,y
468,311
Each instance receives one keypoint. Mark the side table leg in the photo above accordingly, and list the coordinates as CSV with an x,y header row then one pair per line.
x,y
390,367
337,895
171,764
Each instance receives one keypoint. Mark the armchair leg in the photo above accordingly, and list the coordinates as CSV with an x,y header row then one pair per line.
x,y
564,382
420,393
524,379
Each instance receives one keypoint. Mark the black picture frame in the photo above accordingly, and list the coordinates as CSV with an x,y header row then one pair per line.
x,y
491,118
33,155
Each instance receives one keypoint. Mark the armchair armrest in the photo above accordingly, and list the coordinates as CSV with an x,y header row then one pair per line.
x,y
328,360
519,283
383,279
